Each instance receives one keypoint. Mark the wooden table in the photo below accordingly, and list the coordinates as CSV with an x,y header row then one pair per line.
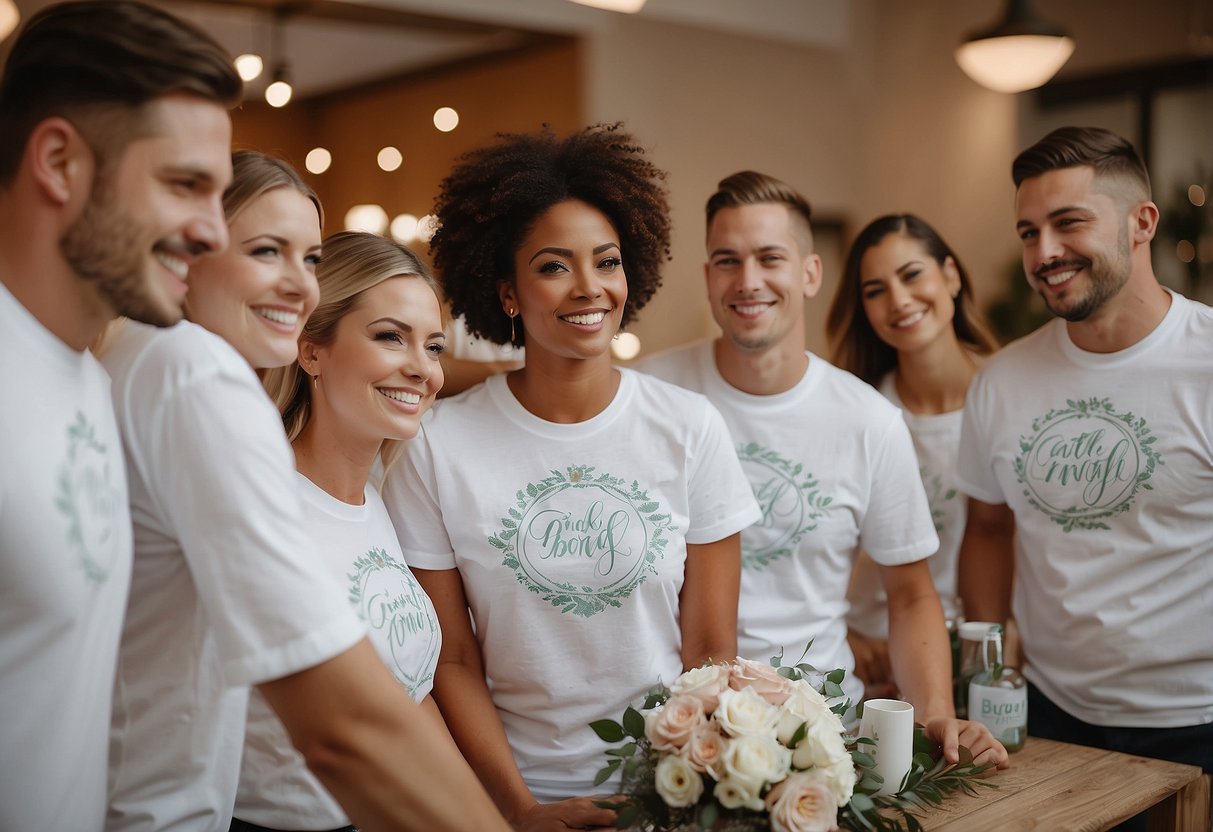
x,y
1072,788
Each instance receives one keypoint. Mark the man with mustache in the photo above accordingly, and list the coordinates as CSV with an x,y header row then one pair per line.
x,y
1092,441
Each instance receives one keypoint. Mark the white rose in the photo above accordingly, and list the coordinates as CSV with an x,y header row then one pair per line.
x,y
704,683
764,679
803,705
705,748
803,802
745,712
821,746
738,794
677,783
755,760
842,779
670,726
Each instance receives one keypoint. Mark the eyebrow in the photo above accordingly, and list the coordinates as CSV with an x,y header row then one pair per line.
x,y
406,327
900,269
1056,213
568,252
282,241
761,250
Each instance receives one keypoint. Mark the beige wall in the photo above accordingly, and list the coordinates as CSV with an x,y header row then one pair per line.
x,y
888,124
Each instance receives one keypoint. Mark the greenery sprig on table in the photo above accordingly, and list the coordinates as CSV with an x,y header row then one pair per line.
x,y
926,784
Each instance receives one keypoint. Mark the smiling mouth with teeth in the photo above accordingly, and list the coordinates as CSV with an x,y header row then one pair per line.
x,y
176,265
584,320
401,396
278,316
1060,277
751,308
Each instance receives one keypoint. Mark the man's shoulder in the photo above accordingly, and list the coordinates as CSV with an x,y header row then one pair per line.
x,y
136,353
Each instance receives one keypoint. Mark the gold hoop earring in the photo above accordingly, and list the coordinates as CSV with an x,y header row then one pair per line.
x,y
316,381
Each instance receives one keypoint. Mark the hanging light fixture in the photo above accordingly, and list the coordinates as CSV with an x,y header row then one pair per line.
x,y
279,91
627,6
10,16
1020,53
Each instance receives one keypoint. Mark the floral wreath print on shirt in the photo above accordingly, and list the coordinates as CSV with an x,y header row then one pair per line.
x,y
1085,462
87,497
791,503
388,598
583,541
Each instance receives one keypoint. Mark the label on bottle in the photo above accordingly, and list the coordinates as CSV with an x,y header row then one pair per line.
x,y
1003,710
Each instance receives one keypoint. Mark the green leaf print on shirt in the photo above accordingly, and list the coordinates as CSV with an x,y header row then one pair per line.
x,y
89,501
388,598
791,502
937,496
583,541
1085,462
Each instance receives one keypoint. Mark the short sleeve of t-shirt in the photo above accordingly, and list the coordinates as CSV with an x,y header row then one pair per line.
x,y
897,526
410,494
974,471
718,487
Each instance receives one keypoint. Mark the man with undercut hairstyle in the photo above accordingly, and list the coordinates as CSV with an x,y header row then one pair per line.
x,y
829,459
1092,440
114,151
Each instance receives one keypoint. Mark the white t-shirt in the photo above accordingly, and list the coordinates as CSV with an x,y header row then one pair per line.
x,y
277,790
936,443
1106,461
65,561
833,468
571,544
227,588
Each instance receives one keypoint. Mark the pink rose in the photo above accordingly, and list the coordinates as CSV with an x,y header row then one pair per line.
x,y
704,683
764,679
705,748
802,802
670,726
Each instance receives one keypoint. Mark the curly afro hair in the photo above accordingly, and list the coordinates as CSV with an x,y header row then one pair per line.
x,y
495,194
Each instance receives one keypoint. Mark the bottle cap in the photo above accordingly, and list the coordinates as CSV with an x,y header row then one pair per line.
x,y
976,630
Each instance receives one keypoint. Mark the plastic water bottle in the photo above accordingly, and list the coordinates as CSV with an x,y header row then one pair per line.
x,y
998,695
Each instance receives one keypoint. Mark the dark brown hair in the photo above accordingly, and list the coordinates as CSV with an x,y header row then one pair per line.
x,y
854,344
495,194
91,60
748,187
1071,147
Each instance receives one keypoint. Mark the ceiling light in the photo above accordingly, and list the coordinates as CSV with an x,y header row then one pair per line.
x,y
1020,53
404,228
370,218
278,93
318,160
627,6
9,18
389,159
249,66
446,119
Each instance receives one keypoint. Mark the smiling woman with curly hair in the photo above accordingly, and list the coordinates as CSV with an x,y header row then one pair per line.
x,y
587,515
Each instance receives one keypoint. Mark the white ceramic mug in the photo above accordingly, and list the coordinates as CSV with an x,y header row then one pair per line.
x,y
891,723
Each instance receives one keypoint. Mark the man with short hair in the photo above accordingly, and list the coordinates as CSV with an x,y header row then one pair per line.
x,y
114,152
114,155
830,461
1092,440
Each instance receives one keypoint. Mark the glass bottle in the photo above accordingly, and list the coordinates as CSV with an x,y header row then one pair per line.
x,y
971,634
998,695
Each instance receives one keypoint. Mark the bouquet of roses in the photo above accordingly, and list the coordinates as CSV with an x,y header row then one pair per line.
x,y
733,746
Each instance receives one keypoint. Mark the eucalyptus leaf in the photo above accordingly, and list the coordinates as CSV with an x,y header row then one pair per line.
x,y
633,723
608,730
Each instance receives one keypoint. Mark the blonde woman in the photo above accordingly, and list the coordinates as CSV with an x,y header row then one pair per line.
x,y
228,591
368,369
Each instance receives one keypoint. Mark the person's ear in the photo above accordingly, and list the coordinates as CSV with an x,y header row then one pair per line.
x,y
60,161
509,299
309,357
1143,222
812,275
951,276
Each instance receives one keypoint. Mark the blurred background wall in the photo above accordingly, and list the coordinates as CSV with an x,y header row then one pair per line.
x,y
858,103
